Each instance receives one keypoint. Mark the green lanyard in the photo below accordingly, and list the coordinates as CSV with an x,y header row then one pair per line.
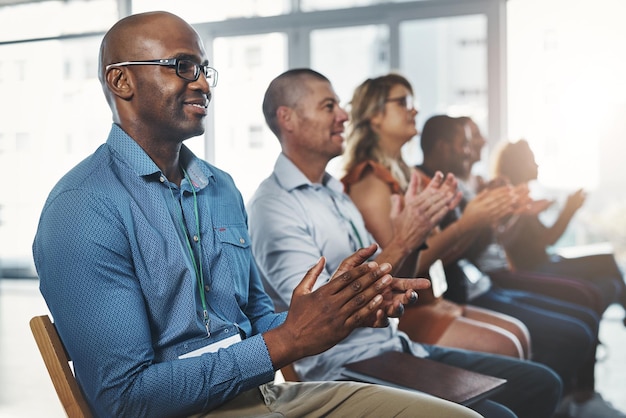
x,y
197,266
349,221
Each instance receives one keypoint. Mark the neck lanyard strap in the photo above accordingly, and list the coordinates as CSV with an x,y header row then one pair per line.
x,y
197,265
348,220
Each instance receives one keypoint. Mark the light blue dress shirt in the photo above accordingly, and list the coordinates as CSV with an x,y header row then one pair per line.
x,y
118,278
294,222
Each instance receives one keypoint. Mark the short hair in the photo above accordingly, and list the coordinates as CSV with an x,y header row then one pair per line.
x,y
438,128
286,90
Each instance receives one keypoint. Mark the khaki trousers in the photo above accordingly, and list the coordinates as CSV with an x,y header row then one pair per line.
x,y
336,399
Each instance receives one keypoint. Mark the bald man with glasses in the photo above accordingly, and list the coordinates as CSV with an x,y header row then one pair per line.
x,y
144,261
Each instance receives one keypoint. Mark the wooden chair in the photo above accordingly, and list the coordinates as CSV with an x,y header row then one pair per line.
x,y
57,362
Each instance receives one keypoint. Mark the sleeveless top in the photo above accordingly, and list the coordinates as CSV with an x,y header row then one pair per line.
x,y
437,312
379,170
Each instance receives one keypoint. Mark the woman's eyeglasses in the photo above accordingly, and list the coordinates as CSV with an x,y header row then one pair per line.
x,y
406,102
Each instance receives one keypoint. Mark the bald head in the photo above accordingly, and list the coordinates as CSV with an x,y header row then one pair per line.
x,y
141,37
133,37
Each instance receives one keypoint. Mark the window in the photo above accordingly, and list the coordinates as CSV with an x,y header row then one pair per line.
x,y
567,98
348,56
249,42
43,19
312,5
194,11
243,144
47,106
446,61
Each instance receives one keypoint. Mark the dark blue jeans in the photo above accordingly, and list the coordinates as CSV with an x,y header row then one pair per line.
x,y
532,390
599,270
563,335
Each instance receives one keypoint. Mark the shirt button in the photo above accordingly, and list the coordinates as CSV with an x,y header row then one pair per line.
x,y
195,238
206,288
162,179
241,240
225,330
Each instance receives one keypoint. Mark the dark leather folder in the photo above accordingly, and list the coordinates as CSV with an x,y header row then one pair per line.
x,y
405,371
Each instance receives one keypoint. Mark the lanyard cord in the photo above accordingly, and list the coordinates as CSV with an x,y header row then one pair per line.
x,y
345,218
356,232
197,266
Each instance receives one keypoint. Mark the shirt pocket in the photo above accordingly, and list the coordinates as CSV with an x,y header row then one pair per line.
x,y
233,235
233,261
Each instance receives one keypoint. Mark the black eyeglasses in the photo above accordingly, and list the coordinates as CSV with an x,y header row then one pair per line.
x,y
185,69
404,101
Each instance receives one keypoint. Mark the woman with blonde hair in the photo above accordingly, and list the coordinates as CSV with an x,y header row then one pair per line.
x,y
382,121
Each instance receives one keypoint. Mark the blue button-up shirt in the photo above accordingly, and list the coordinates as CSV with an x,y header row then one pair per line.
x,y
117,274
293,222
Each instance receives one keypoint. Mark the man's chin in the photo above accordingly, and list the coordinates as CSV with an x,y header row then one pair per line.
x,y
192,133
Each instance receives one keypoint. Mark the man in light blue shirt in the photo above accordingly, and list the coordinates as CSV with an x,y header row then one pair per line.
x,y
145,263
300,213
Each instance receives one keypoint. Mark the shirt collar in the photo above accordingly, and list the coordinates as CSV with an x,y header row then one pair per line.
x,y
290,177
130,151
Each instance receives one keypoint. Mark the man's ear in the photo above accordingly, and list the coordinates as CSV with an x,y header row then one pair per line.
x,y
119,83
285,117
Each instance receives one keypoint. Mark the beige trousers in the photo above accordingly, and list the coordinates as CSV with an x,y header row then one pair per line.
x,y
336,399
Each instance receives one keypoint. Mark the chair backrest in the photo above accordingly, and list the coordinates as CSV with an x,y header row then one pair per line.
x,y
57,362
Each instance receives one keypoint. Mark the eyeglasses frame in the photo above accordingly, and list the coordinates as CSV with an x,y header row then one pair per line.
x,y
210,73
409,102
